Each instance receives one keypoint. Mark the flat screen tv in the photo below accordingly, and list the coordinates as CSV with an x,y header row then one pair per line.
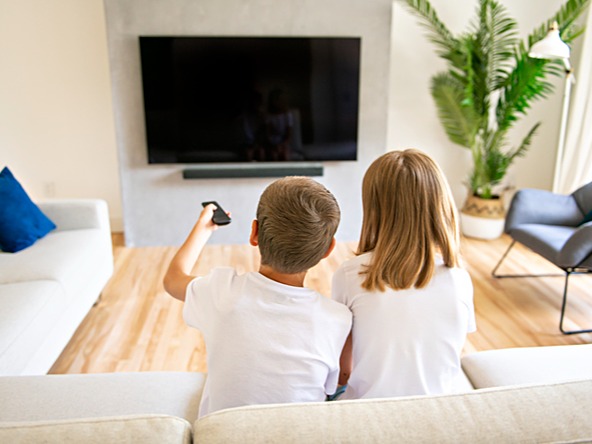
x,y
250,99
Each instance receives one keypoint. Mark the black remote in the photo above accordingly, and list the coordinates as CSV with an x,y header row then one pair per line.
x,y
220,217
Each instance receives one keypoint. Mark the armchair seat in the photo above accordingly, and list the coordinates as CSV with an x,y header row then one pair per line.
x,y
546,240
552,225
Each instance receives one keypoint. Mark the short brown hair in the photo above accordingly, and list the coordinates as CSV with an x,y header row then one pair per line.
x,y
297,219
409,216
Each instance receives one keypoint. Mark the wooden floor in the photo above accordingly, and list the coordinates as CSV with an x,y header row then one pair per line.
x,y
136,326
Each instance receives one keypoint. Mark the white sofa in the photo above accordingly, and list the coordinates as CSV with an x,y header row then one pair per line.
x,y
47,289
541,394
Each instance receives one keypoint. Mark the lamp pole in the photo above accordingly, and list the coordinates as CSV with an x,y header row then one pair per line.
x,y
562,130
551,47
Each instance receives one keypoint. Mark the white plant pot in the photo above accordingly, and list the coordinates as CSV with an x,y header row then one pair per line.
x,y
483,218
481,227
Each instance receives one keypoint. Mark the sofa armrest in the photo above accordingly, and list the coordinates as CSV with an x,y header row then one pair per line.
x,y
76,214
532,206
528,365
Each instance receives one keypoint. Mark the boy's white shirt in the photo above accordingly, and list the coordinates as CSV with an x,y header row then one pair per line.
x,y
406,342
266,342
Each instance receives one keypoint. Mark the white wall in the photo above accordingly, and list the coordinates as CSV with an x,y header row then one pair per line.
x,y
413,121
56,121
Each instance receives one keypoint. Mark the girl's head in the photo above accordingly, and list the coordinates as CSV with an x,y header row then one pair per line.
x,y
409,217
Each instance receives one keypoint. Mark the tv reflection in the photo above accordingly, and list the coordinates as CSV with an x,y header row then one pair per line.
x,y
268,130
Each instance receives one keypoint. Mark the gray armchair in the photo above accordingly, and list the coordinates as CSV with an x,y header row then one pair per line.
x,y
551,225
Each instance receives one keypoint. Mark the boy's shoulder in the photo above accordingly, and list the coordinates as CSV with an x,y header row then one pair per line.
x,y
218,274
335,309
219,280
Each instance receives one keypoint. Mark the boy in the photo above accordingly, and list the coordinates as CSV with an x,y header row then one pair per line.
x,y
268,339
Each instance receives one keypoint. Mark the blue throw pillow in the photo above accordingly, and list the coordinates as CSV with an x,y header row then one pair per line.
x,y
21,221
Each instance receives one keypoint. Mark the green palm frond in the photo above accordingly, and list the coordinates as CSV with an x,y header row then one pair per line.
x,y
495,161
438,32
525,84
565,17
470,78
492,165
477,74
499,40
490,73
521,149
494,38
459,120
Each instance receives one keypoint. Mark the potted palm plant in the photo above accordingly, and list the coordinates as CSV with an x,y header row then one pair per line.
x,y
489,85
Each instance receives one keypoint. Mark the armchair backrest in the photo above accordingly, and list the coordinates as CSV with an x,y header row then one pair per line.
x,y
583,197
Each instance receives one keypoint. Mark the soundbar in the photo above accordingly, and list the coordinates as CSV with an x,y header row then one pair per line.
x,y
242,171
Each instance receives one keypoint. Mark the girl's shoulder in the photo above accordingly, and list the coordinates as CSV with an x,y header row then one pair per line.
x,y
356,262
457,279
458,271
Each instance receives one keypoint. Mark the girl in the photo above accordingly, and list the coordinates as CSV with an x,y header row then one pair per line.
x,y
411,301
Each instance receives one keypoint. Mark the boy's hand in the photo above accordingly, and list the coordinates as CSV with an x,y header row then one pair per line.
x,y
205,218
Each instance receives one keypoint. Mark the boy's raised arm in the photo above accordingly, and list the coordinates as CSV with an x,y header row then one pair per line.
x,y
178,274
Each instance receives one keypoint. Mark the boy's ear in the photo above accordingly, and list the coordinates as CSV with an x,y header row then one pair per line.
x,y
254,238
330,249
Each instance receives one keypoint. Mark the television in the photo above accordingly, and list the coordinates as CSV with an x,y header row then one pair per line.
x,y
250,99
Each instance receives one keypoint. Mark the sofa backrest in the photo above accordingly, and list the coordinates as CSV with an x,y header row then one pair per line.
x,y
554,412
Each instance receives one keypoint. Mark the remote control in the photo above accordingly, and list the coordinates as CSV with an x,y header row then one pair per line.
x,y
220,217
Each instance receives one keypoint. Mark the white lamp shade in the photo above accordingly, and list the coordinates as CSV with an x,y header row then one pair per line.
x,y
550,47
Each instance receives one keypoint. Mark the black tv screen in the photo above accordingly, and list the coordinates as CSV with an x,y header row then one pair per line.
x,y
250,99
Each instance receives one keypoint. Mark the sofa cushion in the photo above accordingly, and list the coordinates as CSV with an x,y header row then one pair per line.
x,y
557,413
149,429
29,311
69,257
21,221
536,365
57,397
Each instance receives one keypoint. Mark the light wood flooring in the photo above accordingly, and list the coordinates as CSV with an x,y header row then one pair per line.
x,y
136,326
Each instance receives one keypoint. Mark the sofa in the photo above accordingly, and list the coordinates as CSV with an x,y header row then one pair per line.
x,y
47,289
533,394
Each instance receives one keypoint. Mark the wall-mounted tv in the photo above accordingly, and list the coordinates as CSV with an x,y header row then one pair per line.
x,y
250,99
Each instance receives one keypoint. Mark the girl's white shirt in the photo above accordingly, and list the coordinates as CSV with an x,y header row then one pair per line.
x,y
406,342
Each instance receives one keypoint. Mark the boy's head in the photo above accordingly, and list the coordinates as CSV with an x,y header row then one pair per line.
x,y
297,218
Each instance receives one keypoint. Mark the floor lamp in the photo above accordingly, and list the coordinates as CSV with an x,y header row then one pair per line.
x,y
551,47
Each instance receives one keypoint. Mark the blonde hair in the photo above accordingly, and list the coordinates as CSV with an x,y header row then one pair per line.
x,y
297,219
409,216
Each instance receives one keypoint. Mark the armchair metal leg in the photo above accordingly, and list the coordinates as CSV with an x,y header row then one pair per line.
x,y
493,273
568,272
500,276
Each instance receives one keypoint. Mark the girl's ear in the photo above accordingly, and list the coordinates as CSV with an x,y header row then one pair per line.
x,y
330,249
254,238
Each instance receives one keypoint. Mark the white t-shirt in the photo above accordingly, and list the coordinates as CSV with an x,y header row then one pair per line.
x,y
266,342
406,342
